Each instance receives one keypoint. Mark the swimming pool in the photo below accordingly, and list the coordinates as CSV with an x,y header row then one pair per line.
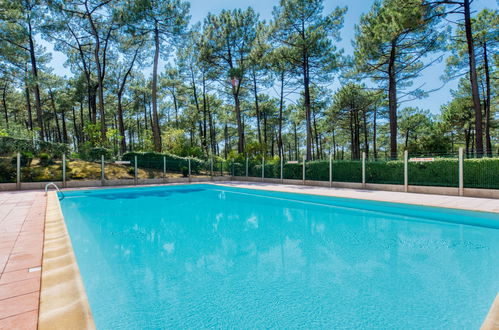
x,y
207,256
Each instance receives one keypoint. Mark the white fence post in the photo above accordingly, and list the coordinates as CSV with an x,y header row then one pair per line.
x,y
18,182
303,174
330,170
136,171
102,174
247,173
189,161
64,170
461,172
363,169
406,171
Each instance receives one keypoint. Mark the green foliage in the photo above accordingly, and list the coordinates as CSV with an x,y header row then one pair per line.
x,y
90,153
386,172
185,171
26,159
441,172
481,173
7,172
154,160
45,159
9,145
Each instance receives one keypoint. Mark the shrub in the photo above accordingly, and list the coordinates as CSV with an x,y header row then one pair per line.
x,y
95,154
185,171
45,159
154,160
26,159
7,172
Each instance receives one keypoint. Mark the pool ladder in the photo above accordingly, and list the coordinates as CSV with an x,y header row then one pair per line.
x,y
55,186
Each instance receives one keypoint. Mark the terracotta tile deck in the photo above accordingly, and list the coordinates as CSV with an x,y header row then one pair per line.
x,y
22,217
22,222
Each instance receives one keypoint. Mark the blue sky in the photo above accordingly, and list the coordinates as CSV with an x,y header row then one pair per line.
x,y
430,77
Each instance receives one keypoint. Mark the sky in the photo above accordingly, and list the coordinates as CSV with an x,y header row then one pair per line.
x,y
430,78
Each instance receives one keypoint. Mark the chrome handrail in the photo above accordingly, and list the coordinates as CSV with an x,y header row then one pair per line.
x,y
52,184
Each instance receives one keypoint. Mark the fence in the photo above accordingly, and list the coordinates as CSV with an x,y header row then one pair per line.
x,y
24,168
452,170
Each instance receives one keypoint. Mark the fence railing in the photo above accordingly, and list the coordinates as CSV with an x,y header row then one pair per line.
x,y
449,170
22,168
443,170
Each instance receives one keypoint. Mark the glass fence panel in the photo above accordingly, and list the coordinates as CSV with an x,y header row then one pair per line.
x,y
41,168
8,168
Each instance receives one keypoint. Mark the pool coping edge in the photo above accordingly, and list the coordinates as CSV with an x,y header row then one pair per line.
x,y
63,300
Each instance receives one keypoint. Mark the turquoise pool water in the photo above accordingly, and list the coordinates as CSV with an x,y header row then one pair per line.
x,y
204,256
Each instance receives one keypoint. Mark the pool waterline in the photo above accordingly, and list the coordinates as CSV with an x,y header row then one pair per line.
x,y
129,195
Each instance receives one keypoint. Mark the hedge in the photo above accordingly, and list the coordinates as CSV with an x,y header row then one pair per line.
x,y
154,160
478,173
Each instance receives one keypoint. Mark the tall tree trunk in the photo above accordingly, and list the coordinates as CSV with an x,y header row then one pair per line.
x,y
488,142
281,108
100,78
240,133
257,108
75,130
4,103
28,100
52,102
366,135
473,80
36,87
375,151
306,84
64,128
392,100
121,125
155,122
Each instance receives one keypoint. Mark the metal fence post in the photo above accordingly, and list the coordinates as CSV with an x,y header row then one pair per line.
x,y
102,174
247,173
406,171
221,168
64,170
263,168
282,169
303,174
461,172
136,171
189,160
363,169
330,170
18,182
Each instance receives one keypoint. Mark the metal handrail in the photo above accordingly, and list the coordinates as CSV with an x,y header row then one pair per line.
x,y
52,184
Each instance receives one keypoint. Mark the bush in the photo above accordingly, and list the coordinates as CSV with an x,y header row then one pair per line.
x,y
154,160
387,172
45,159
440,172
95,154
185,171
7,172
26,159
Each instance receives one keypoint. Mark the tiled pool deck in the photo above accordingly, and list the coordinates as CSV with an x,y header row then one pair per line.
x,y
23,219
